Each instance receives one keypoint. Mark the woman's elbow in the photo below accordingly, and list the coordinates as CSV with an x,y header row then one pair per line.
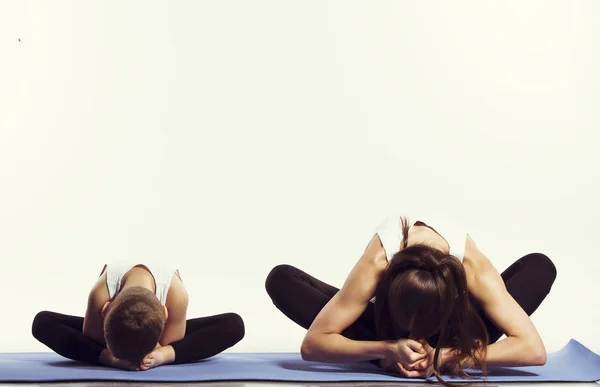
x,y
539,359
309,349
537,354
306,351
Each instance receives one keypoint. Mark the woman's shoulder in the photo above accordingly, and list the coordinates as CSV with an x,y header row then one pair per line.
x,y
390,234
481,273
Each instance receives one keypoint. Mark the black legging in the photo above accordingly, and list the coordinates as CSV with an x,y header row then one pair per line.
x,y
301,297
204,337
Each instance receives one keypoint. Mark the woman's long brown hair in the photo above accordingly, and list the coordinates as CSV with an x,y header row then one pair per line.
x,y
423,294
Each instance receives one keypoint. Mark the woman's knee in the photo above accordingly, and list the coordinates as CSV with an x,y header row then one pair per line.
x,y
278,278
543,266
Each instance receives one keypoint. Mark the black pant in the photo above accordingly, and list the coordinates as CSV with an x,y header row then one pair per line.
x,y
301,297
204,337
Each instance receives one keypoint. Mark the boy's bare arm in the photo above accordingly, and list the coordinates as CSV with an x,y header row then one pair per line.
x,y
93,321
177,304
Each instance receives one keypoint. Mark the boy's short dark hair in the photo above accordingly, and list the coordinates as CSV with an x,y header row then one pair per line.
x,y
133,324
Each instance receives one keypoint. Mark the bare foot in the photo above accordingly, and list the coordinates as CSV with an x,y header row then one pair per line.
x,y
158,357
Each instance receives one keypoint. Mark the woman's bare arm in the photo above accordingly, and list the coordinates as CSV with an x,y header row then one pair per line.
x,y
323,341
523,345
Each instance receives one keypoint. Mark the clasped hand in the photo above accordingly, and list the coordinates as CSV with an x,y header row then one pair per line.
x,y
410,358
151,360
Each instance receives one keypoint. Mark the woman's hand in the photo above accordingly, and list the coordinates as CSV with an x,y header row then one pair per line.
x,y
410,358
408,352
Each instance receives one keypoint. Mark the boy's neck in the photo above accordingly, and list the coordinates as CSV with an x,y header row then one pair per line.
x,y
141,281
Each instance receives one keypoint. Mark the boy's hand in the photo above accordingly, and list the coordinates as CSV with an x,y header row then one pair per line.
x,y
125,365
106,358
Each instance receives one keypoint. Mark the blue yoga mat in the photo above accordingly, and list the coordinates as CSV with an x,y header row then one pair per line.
x,y
574,363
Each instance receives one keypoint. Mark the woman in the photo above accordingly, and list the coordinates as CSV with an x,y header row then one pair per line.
x,y
136,320
421,300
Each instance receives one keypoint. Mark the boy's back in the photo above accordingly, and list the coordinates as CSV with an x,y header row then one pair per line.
x,y
164,281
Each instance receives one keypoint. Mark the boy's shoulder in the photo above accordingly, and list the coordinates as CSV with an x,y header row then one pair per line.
x,y
177,298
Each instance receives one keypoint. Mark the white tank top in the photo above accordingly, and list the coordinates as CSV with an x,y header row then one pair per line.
x,y
162,274
390,234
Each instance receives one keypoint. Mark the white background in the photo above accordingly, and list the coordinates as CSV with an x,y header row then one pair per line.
x,y
232,136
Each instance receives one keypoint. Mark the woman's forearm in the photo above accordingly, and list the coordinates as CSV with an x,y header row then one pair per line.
x,y
335,348
510,352
515,352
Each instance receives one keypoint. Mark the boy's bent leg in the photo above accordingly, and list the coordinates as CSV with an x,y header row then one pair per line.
x,y
64,335
208,336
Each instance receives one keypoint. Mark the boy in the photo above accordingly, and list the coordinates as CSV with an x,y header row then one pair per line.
x,y
136,320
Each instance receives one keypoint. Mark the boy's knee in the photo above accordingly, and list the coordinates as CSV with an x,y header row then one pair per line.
x,y
39,325
236,327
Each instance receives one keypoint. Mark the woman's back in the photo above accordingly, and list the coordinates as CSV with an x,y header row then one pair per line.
x,y
442,235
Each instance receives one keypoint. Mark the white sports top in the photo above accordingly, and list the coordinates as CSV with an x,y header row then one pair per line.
x,y
390,234
162,274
